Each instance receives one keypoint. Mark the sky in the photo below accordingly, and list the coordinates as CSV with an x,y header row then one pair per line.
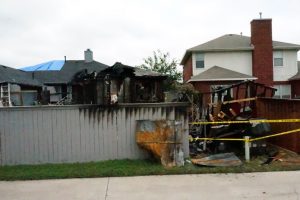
x,y
127,31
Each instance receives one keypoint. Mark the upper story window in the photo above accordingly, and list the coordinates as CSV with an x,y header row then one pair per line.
x,y
199,60
277,58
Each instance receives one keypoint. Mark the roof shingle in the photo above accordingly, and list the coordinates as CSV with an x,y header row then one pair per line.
x,y
217,73
11,75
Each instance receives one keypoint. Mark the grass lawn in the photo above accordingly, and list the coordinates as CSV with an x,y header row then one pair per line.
x,y
125,168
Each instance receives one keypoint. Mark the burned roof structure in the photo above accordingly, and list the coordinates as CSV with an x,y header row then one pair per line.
x,y
126,84
121,70
123,84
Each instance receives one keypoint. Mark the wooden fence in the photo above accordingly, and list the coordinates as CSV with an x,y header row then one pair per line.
x,y
69,134
281,109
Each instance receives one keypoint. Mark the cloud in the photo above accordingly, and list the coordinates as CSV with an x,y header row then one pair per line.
x,y
35,31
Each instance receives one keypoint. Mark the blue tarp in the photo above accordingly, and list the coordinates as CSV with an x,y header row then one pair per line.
x,y
54,65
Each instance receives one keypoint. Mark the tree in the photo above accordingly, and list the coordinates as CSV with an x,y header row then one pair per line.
x,y
162,63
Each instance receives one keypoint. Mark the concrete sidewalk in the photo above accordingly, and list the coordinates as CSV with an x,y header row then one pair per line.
x,y
271,185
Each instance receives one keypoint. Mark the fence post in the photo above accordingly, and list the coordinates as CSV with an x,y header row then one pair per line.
x,y
247,148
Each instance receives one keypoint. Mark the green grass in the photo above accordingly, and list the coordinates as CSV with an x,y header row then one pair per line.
x,y
120,168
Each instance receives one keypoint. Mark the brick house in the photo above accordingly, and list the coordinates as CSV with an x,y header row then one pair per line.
x,y
232,58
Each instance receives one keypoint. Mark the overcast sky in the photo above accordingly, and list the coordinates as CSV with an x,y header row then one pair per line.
x,y
36,31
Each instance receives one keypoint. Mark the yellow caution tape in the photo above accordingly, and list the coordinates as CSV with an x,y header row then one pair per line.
x,y
243,139
249,121
275,135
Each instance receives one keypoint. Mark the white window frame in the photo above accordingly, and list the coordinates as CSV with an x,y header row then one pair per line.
x,y
199,57
278,57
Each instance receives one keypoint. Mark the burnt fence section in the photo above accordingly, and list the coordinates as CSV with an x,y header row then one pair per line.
x,y
281,109
85,133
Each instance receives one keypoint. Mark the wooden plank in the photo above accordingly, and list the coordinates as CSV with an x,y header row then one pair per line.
x,y
125,146
19,136
9,138
49,135
91,143
6,137
133,117
46,148
35,137
26,136
55,133
2,139
105,135
68,135
120,134
128,114
101,134
131,112
88,136
29,126
98,135
64,136
43,142
115,140
82,136
15,140
74,119
10,142
108,135
94,135
140,116
111,130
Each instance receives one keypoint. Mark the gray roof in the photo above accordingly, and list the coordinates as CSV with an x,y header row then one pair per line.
x,y
233,42
11,75
220,74
67,72
297,76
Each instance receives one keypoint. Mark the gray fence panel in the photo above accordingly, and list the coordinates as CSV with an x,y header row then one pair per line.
x,y
68,134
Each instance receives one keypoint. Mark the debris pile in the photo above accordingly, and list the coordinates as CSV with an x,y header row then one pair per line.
x,y
226,120
218,160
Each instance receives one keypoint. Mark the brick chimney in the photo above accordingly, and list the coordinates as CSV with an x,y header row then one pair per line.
x,y
262,56
88,56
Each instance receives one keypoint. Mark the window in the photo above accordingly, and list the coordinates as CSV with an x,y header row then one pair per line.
x,y
277,58
283,91
199,60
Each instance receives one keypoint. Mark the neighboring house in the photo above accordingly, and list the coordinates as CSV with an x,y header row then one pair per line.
x,y
57,78
18,88
232,58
